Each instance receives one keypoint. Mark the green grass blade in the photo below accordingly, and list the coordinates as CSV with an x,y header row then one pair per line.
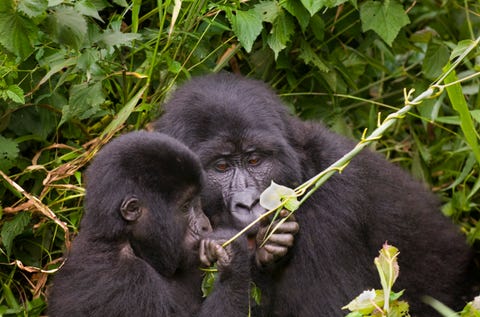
x,y
459,103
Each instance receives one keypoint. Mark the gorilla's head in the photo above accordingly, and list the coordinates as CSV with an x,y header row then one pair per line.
x,y
144,190
243,136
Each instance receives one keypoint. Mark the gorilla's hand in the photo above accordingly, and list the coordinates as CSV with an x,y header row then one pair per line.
x,y
211,251
278,243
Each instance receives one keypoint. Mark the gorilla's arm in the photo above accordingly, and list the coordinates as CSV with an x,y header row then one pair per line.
x,y
230,295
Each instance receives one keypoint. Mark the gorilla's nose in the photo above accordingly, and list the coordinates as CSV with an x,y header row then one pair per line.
x,y
244,202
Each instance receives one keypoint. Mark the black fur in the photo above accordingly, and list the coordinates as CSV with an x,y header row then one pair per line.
x,y
137,250
342,226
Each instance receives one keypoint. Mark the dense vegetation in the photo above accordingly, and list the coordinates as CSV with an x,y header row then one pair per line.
x,y
74,73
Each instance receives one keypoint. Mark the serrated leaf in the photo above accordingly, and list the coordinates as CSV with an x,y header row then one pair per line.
x,y
282,29
86,7
68,26
12,229
436,57
313,6
122,3
116,38
246,25
8,153
385,18
15,93
298,11
14,34
32,8
268,10
84,102
309,56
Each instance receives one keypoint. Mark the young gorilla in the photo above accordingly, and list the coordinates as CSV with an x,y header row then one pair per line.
x,y
137,251
245,138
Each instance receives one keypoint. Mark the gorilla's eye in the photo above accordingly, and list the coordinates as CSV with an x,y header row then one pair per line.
x,y
221,165
186,207
253,160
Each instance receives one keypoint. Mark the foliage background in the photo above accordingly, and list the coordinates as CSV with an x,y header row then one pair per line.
x,y
74,73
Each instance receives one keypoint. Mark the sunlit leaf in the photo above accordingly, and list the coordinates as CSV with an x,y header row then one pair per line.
x,y
274,195
246,25
385,18
68,26
281,32
33,8
15,93
86,7
17,34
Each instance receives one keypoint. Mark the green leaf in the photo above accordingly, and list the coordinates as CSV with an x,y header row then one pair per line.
x,y
14,34
313,6
86,7
256,293
298,11
459,103
268,10
116,38
33,8
15,93
309,56
460,48
8,153
436,57
385,18
282,29
68,26
13,228
84,102
246,25
122,3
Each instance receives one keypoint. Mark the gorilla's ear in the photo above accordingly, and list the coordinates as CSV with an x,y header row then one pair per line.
x,y
130,209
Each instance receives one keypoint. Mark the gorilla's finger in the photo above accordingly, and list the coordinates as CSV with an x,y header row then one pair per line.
x,y
281,239
277,251
288,227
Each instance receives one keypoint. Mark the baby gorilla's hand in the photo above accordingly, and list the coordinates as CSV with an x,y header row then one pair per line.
x,y
211,251
278,244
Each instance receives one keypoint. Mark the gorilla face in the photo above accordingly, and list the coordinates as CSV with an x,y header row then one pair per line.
x,y
145,188
240,132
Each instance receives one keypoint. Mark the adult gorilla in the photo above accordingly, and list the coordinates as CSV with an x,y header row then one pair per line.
x,y
245,138
137,251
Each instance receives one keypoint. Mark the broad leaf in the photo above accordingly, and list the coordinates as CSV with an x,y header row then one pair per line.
x,y
87,8
8,153
15,93
385,18
309,56
32,8
298,11
116,38
12,229
68,26
436,57
14,34
84,102
246,25
312,5
283,28
268,10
